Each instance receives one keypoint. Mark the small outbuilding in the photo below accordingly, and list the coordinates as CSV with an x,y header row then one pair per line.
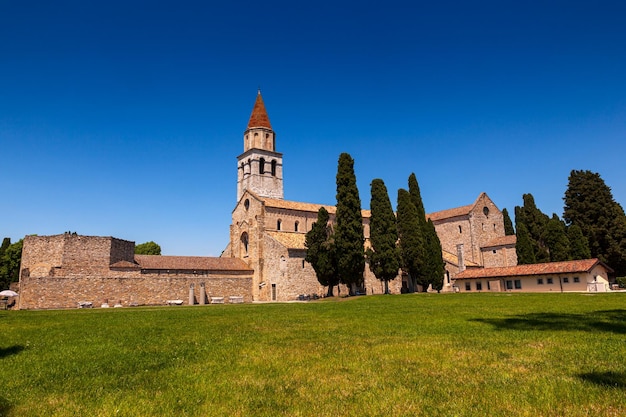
x,y
586,275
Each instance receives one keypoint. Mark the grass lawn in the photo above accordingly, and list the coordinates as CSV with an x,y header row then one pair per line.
x,y
415,354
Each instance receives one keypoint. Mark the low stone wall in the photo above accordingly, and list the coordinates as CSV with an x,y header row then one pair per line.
x,y
147,289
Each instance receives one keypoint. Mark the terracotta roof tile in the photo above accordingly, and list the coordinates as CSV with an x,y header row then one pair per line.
x,y
125,265
454,260
290,240
567,267
310,207
259,117
189,263
449,213
502,241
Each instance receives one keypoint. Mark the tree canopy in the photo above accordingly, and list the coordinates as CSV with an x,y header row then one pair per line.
x,y
10,258
383,256
349,238
508,224
148,248
589,204
411,242
321,251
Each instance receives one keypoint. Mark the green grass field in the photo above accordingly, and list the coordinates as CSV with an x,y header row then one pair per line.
x,y
414,354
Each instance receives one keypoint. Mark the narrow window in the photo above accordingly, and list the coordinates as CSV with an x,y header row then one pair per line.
x,y
539,281
468,286
448,277
246,204
460,229
479,286
495,251
518,284
273,168
244,243
262,166
273,292
509,284
550,281
303,264
278,223
295,226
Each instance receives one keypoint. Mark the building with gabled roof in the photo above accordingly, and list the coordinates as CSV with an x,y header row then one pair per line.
x,y
586,275
265,257
268,231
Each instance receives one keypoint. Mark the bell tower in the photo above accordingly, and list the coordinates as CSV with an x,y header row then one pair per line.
x,y
260,167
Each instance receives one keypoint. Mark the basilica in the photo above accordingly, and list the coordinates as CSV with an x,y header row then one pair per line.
x,y
265,258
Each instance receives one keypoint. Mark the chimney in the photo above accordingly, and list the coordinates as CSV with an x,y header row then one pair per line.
x,y
459,254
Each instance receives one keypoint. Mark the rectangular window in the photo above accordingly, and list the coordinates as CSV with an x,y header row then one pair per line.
x,y
539,281
518,284
273,292
550,281
488,286
479,286
509,284
468,286
566,280
576,279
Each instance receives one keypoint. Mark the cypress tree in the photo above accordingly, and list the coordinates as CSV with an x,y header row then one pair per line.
x,y
411,241
508,224
349,238
431,272
435,263
579,246
555,237
589,204
535,222
383,256
423,277
320,251
524,246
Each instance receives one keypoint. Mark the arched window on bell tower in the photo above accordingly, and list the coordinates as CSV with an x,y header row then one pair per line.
x,y
273,167
262,166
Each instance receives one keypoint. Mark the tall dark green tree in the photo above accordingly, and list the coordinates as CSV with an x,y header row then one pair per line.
x,y
411,242
535,222
508,224
148,248
524,246
435,264
349,238
320,251
383,255
431,272
555,238
589,204
10,264
579,246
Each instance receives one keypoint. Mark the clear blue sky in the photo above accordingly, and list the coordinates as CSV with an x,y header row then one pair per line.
x,y
125,118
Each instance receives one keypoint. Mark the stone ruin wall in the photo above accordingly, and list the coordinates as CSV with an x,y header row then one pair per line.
x,y
63,270
135,289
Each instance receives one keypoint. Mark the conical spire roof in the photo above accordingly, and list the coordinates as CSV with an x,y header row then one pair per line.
x,y
259,117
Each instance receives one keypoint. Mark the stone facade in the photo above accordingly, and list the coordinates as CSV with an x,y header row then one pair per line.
x,y
63,271
264,260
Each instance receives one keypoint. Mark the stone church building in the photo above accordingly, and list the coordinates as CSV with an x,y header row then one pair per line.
x,y
264,260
